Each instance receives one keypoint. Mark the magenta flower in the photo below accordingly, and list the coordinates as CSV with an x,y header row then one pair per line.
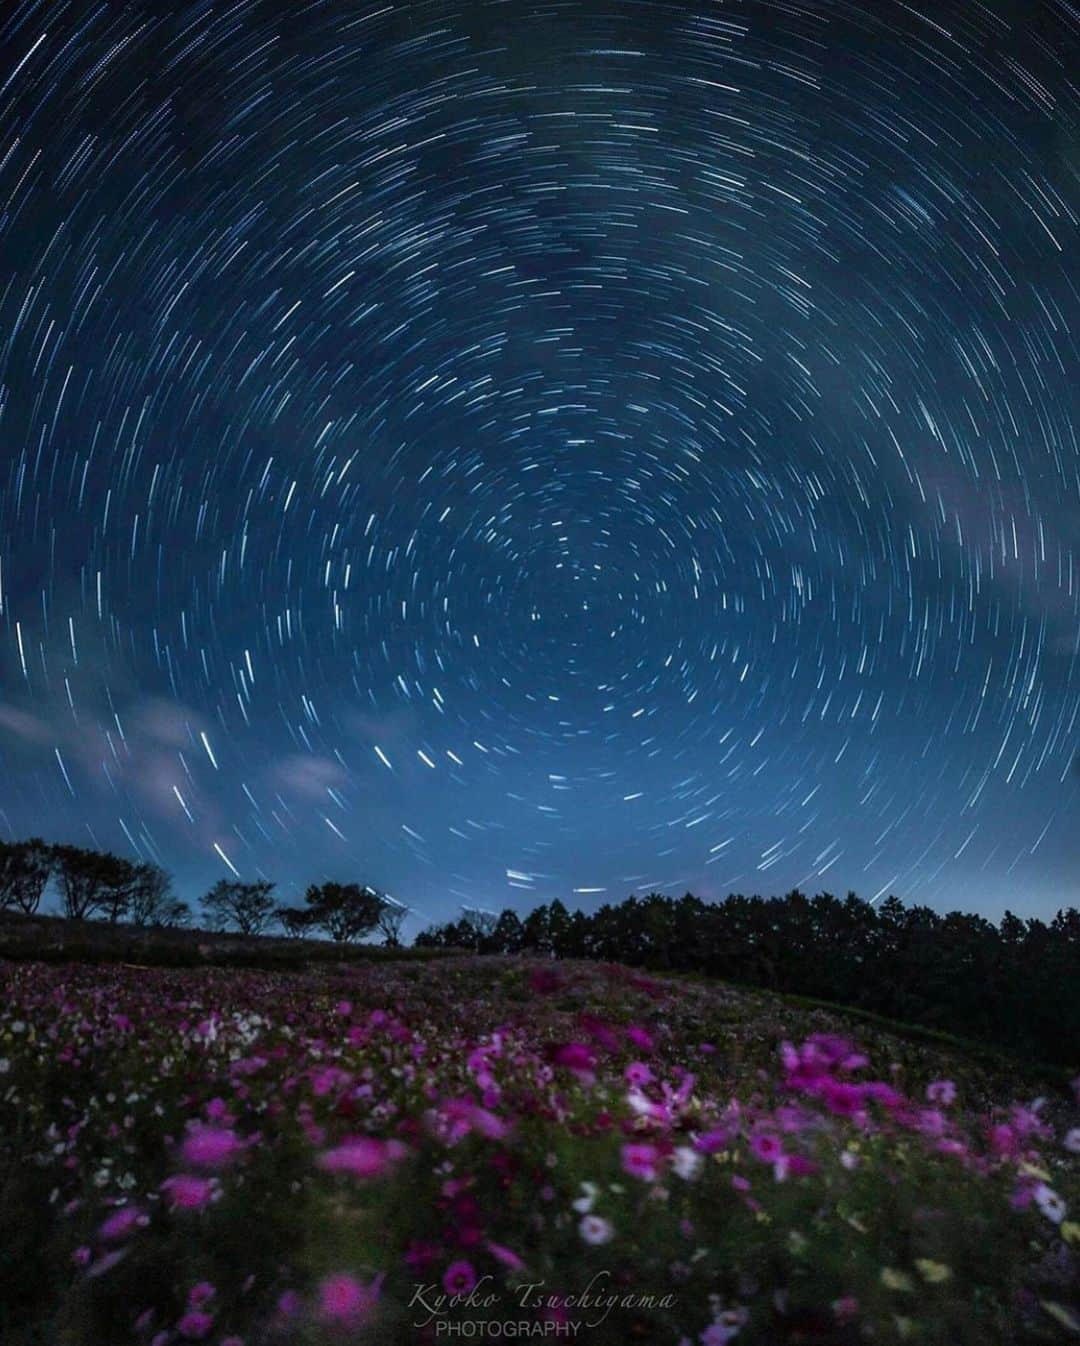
x,y
506,1256
638,1074
107,1261
766,1147
361,1157
640,1037
719,1138
201,1294
186,1191
195,1325
210,1147
121,1223
942,1092
459,1279
345,1301
578,1058
640,1161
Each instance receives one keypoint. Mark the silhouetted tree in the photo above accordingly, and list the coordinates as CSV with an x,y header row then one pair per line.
x,y
152,901
25,869
295,921
477,926
93,882
247,906
391,918
508,936
346,911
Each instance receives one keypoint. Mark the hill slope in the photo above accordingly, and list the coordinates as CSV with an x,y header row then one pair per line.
x,y
227,1155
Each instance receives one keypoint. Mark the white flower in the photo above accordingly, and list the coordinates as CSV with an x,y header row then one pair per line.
x,y
1048,1201
849,1159
5,1065
1071,1141
596,1230
584,1204
687,1163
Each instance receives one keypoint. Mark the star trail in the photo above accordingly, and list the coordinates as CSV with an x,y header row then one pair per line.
x,y
522,450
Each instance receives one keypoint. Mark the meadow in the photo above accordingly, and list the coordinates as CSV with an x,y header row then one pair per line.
x,y
506,1148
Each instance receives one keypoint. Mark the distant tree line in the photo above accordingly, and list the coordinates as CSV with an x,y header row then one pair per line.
x,y
1016,984
96,885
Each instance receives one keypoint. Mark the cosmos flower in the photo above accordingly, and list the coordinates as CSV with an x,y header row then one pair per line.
x,y
210,1147
188,1191
195,1325
687,1162
459,1278
595,1230
122,1223
361,1157
1050,1203
640,1161
344,1301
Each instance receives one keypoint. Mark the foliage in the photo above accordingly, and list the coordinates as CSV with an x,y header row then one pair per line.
x,y
25,869
256,1157
249,907
390,921
346,911
152,901
1012,984
93,882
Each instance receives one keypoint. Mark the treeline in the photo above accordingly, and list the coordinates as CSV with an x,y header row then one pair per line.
x,y
1016,984
97,885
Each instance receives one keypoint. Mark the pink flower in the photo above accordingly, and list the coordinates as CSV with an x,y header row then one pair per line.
x,y
931,1122
201,1294
719,1138
210,1147
121,1223
362,1157
195,1325
766,1147
506,1256
186,1191
640,1037
941,1091
345,1301
107,1261
638,1074
578,1058
640,1161
459,1279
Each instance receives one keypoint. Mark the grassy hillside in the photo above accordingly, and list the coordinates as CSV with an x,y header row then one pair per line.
x,y
53,939
232,1155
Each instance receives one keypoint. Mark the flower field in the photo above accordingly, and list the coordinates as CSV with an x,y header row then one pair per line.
x,y
497,1149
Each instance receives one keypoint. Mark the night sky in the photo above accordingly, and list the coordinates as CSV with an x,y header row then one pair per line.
x,y
509,451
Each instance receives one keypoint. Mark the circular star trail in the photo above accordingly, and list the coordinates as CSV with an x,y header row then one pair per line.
x,y
510,451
